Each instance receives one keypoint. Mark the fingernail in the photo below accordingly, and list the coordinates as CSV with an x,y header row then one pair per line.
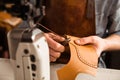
x,y
62,38
77,41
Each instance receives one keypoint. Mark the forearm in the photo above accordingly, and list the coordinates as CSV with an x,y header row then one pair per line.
x,y
112,43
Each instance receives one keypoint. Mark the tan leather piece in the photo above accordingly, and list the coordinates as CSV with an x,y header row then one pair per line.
x,y
8,21
84,59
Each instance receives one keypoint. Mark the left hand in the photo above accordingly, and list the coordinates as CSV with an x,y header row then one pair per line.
x,y
96,41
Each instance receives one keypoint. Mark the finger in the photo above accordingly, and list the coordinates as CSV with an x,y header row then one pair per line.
x,y
56,37
86,40
54,45
52,59
54,53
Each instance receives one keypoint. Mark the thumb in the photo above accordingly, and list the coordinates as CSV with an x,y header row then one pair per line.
x,y
84,41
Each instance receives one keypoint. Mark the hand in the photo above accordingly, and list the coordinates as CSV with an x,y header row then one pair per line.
x,y
55,48
96,41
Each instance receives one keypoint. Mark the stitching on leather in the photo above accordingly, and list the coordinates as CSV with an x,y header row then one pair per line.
x,y
83,60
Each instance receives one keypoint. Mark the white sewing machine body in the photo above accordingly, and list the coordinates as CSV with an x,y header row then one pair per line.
x,y
29,54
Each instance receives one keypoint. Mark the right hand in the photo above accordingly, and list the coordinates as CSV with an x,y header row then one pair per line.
x,y
55,48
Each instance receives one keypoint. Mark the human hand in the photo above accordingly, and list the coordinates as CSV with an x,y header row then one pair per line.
x,y
55,48
96,41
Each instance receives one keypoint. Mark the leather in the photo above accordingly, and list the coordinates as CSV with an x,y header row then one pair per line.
x,y
8,21
83,59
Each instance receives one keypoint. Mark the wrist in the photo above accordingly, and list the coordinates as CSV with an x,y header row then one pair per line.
x,y
112,43
107,45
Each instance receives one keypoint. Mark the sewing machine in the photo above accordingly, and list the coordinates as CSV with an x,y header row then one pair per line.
x,y
29,53
29,58
27,45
